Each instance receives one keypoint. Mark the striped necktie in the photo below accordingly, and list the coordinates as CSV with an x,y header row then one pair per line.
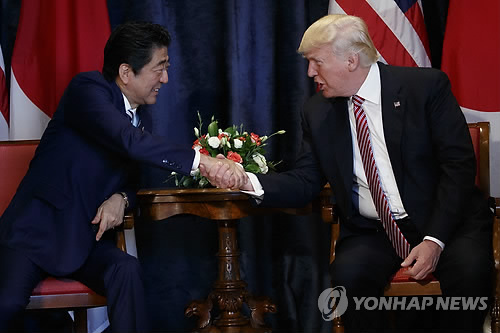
x,y
397,239
134,118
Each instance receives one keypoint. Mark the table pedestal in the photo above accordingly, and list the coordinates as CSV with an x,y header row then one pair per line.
x,y
229,292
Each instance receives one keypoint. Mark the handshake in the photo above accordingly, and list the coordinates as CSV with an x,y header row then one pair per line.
x,y
224,173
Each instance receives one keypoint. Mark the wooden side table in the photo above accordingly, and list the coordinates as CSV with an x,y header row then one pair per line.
x,y
229,291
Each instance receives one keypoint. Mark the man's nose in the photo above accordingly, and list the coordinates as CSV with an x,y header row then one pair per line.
x,y
164,76
311,70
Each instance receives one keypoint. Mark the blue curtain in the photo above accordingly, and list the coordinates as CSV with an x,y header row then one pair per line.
x,y
235,60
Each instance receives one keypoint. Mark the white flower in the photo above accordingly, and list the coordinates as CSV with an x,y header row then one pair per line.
x,y
214,142
238,143
263,138
261,162
196,132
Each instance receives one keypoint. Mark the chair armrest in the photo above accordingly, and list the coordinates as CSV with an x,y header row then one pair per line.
x,y
128,221
327,208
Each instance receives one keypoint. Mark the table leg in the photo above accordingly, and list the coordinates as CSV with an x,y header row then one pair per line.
x,y
229,292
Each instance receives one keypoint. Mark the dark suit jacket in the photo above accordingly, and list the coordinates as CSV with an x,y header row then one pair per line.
x,y
88,152
428,143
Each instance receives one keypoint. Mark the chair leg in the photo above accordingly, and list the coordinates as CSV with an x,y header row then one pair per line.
x,y
80,323
495,315
338,325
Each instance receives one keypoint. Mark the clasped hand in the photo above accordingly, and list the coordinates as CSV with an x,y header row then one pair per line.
x,y
223,173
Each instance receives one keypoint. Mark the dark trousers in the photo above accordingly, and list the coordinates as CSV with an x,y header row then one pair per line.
x,y
108,271
365,262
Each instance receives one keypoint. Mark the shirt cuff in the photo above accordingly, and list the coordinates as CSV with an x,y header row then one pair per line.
x,y
258,191
435,240
196,162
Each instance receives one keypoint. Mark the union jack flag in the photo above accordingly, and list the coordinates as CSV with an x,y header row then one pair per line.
x,y
396,26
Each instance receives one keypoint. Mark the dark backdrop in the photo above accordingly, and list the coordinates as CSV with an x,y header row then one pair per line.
x,y
235,60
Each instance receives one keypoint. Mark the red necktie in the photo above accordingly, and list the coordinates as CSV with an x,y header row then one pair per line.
x,y
397,239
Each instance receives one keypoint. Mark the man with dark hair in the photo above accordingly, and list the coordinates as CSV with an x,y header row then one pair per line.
x,y
83,177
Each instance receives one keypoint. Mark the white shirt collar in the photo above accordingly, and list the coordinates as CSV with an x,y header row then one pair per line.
x,y
371,88
128,107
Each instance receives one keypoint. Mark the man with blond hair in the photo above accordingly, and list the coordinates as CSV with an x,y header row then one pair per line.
x,y
396,150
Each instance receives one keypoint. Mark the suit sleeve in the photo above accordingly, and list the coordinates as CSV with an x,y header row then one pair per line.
x,y
300,185
90,110
454,154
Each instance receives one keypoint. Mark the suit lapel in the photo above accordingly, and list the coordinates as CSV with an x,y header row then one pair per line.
x,y
393,113
336,126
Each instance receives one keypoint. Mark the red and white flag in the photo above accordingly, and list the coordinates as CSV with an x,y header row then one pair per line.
x,y
397,28
4,102
55,40
471,58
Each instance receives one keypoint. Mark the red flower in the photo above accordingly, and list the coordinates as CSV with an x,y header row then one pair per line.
x,y
220,136
255,138
231,155
204,151
196,143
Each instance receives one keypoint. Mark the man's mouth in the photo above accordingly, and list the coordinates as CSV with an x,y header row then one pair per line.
x,y
156,89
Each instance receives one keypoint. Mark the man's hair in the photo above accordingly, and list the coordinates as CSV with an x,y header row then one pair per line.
x,y
345,33
132,43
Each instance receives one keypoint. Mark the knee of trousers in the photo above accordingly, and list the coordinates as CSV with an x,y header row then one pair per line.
x,y
126,268
10,308
468,282
357,282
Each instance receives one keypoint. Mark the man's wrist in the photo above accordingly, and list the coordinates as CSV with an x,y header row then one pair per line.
x,y
125,198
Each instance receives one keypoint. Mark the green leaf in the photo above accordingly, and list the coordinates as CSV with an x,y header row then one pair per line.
x,y
213,128
230,130
252,167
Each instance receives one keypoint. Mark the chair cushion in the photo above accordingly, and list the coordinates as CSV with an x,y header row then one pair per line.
x,y
53,286
400,277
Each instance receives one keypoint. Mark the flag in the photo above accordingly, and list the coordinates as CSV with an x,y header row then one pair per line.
x,y
397,28
471,54
4,102
55,40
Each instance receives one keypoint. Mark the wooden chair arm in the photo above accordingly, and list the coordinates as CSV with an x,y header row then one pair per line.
x,y
327,208
328,215
128,223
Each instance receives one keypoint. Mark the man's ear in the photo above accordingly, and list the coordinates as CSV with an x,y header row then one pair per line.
x,y
124,72
352,61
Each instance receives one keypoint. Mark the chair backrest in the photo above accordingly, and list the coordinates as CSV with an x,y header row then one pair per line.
x,y
480,135
15,157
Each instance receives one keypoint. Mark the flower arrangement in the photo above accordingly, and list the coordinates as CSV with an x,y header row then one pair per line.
x,y
235,144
